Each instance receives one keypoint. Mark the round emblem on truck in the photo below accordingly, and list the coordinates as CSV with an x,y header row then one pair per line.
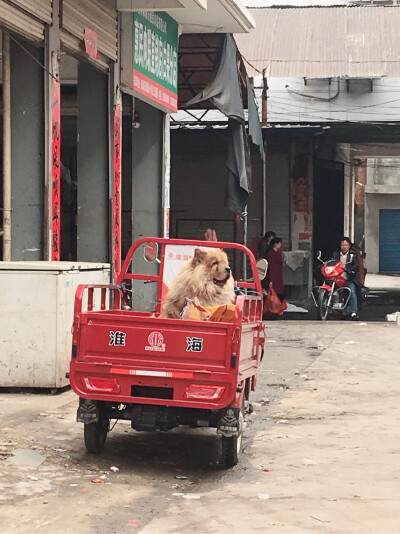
x,y
155,339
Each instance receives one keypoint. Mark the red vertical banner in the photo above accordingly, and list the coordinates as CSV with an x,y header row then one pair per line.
x,y
117,192
55,170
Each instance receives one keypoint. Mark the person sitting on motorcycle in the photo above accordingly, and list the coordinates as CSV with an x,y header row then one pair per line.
x,y
349,262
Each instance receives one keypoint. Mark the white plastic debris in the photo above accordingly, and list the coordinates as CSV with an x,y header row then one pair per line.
x,y
263,496
292,308
114,469
394,317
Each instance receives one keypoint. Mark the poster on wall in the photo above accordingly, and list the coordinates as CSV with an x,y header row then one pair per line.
x,y
301,213
155,58
91,41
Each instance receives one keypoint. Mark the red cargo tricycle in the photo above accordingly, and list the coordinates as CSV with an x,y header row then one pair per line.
x,y
159,373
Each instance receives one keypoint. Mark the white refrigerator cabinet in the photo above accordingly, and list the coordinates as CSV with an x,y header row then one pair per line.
x,y
36,314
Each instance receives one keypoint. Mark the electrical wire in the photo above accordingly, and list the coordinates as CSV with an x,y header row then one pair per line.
x,y
366,166
334,104
321,99
33,57
355,108
251,65
273,102
303,112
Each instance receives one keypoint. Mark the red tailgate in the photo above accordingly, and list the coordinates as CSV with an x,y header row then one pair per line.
x,y
142,341
137,350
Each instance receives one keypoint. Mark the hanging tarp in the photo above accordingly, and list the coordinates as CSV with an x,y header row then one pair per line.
x,y
238,185
224,88
225,93
255,132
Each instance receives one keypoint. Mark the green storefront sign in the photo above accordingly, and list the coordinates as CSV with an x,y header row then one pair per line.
x,y
155,58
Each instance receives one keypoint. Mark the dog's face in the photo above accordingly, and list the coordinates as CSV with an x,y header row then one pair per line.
x,y
211,266
206,276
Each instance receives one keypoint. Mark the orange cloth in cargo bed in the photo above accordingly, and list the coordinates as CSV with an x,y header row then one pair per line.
x,y
194,311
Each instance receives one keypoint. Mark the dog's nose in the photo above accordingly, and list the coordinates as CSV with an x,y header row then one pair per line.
x,y
227,270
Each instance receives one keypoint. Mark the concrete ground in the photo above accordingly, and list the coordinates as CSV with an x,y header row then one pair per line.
x,y
321,451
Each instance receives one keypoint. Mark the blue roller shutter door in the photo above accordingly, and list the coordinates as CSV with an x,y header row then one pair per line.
x,y
389,240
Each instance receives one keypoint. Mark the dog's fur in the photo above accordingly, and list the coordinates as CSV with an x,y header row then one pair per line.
x,y
207,276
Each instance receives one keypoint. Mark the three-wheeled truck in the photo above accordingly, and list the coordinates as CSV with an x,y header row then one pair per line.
x,y
160,373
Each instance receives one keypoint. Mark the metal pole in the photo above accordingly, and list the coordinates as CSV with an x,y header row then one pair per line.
x,y
245,229
6,148
264,190
264,105
166,176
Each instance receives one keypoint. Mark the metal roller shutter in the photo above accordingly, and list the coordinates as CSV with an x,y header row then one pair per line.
x,y
389,240
41,9
27,17
99,17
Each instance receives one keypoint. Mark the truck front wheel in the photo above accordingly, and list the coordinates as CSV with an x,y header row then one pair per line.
x,y
95,434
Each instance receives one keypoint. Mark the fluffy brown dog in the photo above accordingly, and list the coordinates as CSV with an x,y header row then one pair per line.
x,y
207,276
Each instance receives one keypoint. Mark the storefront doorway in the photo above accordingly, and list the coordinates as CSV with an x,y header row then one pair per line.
x,y
328,206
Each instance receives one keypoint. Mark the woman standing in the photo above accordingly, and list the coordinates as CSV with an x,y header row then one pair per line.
x,y
274,276
264,244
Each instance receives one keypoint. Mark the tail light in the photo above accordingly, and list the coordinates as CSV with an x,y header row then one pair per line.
x,y
102,385
203,392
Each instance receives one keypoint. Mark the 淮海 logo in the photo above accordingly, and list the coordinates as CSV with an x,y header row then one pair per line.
x,y
156,342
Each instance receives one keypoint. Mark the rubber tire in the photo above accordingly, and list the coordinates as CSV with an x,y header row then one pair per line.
x,y
231,447
323,308
95,435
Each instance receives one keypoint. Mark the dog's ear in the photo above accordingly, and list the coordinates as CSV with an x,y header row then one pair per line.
x,y
198,256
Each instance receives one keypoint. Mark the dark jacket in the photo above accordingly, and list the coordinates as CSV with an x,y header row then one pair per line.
x,y
351,267
275,271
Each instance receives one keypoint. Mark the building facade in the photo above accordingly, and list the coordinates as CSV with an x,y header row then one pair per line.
x,y
328,78
87,91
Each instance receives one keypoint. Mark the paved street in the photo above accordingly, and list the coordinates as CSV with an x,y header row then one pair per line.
x,y
321,451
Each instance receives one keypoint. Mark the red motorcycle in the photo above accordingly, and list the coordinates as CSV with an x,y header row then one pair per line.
x,y
333,295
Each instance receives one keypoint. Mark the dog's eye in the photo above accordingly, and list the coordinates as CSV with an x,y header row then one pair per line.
x,y
214,263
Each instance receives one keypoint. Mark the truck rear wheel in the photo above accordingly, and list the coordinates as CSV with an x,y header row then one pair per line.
x,y
232,446
95,434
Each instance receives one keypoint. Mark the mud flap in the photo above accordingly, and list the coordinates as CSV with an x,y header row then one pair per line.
x,y
229,424
88,411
